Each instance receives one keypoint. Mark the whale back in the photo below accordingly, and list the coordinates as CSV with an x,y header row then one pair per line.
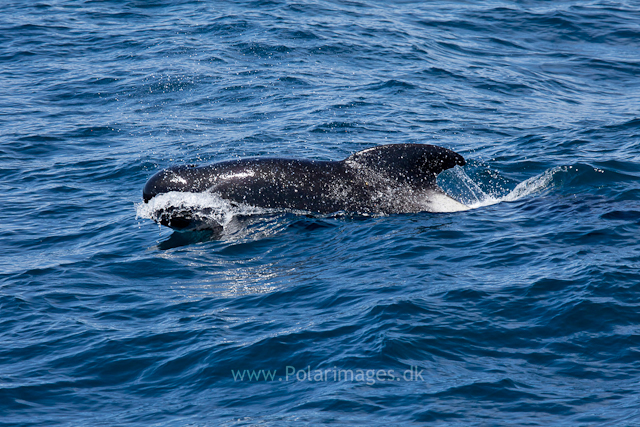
x,y
410,163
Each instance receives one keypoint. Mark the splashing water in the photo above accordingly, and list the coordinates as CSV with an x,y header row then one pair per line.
x,y
207,209
533,185
474,196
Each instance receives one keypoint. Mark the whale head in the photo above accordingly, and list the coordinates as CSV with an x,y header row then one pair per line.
x,y
183,178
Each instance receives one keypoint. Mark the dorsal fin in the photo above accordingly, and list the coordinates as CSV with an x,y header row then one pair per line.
x,y
409,162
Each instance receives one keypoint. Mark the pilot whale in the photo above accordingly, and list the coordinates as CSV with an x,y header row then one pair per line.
x,y
395,178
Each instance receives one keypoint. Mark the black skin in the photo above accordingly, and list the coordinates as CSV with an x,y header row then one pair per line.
x,y
351,185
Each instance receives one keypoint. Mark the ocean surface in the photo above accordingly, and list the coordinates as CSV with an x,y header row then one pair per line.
x,y
524,310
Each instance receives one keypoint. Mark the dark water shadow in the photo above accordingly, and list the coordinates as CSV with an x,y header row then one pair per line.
x,y
186,238
309,223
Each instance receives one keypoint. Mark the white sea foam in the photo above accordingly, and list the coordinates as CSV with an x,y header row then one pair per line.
x,y
207,208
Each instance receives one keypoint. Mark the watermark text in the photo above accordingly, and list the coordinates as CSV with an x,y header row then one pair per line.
x,y
368,376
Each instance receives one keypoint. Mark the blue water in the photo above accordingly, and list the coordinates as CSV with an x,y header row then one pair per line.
x,y
522,311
